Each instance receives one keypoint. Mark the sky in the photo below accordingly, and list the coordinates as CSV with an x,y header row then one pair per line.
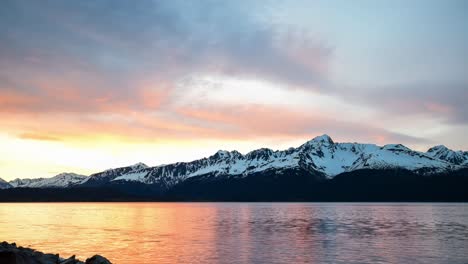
x,y
91,85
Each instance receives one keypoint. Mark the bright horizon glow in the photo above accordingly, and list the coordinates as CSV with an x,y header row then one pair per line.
x,y
70,158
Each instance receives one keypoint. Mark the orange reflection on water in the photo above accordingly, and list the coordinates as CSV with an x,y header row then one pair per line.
x,y
120,231
242,232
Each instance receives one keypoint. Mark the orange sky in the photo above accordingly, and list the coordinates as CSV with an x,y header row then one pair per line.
x,y
83,90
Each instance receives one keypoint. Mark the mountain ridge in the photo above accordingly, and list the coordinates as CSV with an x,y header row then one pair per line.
x,y
4,184
318,156
321,154
61,180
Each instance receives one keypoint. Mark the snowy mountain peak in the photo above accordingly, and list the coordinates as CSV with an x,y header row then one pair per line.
x,y
24,182
4,184
111,174
438,148
224,154
263,153
61,180
396,147
67,174
323,139
134,167
139,166
443,153
318,142
220,154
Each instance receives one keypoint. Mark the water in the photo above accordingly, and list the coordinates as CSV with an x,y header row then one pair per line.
x,y
243,232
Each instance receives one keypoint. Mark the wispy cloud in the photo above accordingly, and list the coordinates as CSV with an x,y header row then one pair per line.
x,y
241,121
445,101
35,136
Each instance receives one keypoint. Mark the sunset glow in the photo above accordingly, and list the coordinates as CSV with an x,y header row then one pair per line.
x,y
85,87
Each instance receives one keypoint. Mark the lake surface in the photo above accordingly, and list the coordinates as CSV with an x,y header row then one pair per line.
x,y
242,232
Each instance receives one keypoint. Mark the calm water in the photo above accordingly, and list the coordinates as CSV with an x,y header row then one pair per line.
x,y
243,232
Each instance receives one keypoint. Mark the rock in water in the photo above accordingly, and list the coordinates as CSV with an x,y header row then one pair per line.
x,y
70,260
96,259
11,254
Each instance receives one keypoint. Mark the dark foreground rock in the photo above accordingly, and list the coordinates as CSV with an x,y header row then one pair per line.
x,y
12,254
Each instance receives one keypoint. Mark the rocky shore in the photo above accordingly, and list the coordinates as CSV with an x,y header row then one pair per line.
x,y
12,254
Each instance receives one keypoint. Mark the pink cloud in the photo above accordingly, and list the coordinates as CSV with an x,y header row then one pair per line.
x,y
251,121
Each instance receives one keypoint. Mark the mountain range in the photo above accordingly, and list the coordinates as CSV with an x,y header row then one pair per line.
x,y
310,169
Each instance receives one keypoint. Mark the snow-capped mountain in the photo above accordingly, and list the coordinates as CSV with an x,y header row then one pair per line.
x,y
62,180
318,156
443,153
24,182
318,170
111,174
4,184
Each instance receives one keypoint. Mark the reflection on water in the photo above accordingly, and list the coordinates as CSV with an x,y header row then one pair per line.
x,y
243,232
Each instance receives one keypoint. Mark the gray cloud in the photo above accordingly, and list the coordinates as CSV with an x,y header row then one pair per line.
x,y
446,101
109,46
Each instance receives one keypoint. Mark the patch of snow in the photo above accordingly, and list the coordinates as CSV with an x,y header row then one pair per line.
x,y
443,153
4,184
134,176
59,181
139,166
